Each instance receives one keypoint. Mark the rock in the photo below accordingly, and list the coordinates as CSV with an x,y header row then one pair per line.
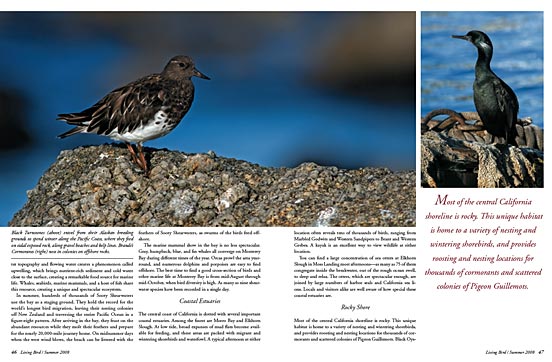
x,y
100,186
453,162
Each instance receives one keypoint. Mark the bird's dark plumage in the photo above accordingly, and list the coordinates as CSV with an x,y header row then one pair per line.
x,y
145,109
494,100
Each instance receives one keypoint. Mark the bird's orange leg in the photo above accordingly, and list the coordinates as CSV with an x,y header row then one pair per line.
x,y
143,163
133,154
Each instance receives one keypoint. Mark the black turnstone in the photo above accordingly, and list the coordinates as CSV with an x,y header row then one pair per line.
x,y
494,100
145,109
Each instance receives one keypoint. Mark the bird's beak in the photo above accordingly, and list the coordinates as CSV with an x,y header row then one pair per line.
x,y
198,74
465,37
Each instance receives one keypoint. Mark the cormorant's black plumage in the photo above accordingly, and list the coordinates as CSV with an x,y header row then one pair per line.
x,y
494,100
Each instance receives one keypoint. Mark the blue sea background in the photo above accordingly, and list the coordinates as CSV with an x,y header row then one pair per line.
x,y
262,104
447,72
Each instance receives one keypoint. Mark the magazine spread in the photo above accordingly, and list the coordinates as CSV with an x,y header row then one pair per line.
x,y
288,203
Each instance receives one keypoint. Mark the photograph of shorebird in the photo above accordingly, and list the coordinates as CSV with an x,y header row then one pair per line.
x,y
209,118
145,109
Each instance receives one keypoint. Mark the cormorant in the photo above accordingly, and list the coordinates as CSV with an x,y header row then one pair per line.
x,y
494,100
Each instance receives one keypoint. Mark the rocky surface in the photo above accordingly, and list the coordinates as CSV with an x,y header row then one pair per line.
x,y
453,162
459,152
99,186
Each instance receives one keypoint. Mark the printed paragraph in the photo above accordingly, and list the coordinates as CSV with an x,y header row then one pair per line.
x,y
199,326
192,266
32,242
354,330
358,261
489,249
71,286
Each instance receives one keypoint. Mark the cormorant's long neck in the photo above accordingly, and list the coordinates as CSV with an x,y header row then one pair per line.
x,y
483,64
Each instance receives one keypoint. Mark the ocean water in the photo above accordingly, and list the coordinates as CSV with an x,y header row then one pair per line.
x,y
268,116
447,64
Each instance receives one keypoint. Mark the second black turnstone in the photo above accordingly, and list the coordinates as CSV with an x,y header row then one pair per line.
x,y
145,109
494,100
